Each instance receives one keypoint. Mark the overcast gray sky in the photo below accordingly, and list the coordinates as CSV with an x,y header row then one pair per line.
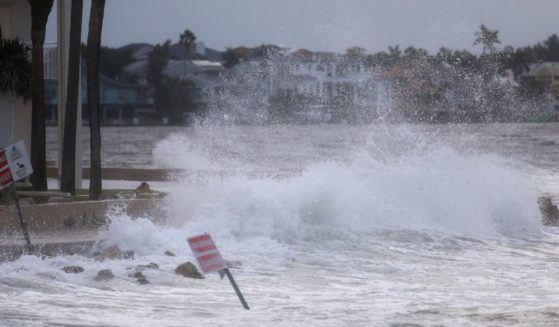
x,y
329,25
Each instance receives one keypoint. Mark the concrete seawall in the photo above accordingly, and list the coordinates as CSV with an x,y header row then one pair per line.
x,y
66,228
75,215
129,174
154,174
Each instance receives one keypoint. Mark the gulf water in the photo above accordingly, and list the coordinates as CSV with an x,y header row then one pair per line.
x,y
335,225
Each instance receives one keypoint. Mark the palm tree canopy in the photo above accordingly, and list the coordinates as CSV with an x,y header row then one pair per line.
x,y
15,68
187,38
487,38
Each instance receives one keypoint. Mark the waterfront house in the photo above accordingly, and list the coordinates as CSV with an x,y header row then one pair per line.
x,y
138,51
15,114
120,103
545,74
203,66
328,84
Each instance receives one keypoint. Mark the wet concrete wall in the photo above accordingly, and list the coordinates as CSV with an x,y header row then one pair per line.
x,y
76,215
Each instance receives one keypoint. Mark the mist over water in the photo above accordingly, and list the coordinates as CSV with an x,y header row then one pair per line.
x,y
400,223
365,221
334,224
399,180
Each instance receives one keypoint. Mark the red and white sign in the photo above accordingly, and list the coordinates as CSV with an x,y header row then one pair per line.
x,y
5,178
207,254
14,164
3,159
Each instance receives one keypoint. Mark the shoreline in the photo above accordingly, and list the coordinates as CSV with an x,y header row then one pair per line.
x,y
66,228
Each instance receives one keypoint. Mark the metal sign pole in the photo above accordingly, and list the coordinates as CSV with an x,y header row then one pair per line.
x,y
210,260
23,222
236,288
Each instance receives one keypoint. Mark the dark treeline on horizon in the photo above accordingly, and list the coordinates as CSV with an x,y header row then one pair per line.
x,y
516,59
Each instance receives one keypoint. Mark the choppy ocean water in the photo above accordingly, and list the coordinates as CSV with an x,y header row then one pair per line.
x,y
373,225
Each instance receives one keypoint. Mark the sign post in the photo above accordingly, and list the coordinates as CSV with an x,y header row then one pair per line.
x,y
236,288
15,165
22,221
210,260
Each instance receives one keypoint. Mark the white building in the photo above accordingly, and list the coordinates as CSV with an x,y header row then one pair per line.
x,y
15,114
319,75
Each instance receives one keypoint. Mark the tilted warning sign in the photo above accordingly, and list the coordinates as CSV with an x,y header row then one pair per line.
x,y
210,259
14,164
205,251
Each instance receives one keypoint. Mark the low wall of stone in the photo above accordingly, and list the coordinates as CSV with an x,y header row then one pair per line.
x,y
76,215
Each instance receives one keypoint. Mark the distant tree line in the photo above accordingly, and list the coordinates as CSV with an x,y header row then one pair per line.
x,y
469,77
472,79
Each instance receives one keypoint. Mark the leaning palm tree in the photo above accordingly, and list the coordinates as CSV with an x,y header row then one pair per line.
x,y
40,10
68,175
93,55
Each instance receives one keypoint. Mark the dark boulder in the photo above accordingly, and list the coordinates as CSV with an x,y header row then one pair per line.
x,y
105,274
549,211
189,270
143,281
137,274
113,253
140,278
73,269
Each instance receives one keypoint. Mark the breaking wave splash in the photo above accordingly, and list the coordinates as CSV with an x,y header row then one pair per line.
x,y
428,189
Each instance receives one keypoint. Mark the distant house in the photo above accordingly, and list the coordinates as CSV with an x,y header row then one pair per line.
x,y
202,66
137,70
320,75
209,53
139,51
185,68
544,73
120,103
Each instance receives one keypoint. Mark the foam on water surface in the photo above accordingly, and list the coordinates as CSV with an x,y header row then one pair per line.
x,y
397,229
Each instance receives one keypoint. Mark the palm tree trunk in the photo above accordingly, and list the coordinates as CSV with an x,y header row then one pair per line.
x,y
40,10
93,54
68,176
